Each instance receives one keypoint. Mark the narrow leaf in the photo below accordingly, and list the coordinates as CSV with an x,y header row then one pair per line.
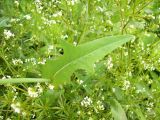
x,y
3,22
22,80
140,114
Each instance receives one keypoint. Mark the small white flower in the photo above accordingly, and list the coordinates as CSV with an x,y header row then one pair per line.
x,y
13,20
122,10
100,9
17,61
125,53
16,107
32,60
8,119
75,43
6,77
72,2
79,112
1,117
109,22
51,87
32,92
109,63
16,3
90,118
57,14
42,62
126,85
86,102
64,36
147,34
100,105
141,90
113,89
80,81
37,1
8,34
28,17
39,88
50,48
149,109
24,113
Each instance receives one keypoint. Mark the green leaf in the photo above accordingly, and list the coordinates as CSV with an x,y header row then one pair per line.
x,y
139,113
81,57
4,22
118,93
22,80
117,111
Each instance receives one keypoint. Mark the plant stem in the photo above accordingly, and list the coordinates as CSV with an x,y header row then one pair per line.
x,y
23,80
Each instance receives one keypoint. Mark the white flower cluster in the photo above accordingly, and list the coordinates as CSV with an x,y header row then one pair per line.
x,y
17,61
16,3
51,87
48,22
79,112
38,6
36,91
90,118
27,17
80,82
75,43
86,102
32,60
150,106
72,2
50,48
42,62
100,105
16,107
149,66
6,77
126,85
57,14
8,34
109,63
32,92
8,119
141,90
64,36
109,22
1,117
99,9
13,20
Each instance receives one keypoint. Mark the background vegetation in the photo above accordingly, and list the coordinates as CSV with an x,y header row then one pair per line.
x,y
127,80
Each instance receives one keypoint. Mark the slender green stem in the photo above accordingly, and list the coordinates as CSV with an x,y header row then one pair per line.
x,y
8,65
23,80
146,4
85,23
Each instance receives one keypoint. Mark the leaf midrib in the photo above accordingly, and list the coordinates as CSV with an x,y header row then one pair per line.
x,y
82,57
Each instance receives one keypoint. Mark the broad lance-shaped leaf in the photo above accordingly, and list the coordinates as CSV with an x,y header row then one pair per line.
x,y
81,57
117,111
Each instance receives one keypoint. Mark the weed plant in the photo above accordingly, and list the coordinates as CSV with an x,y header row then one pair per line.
x,y
30,34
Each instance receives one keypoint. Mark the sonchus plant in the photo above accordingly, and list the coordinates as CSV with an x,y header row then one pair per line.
x,y
82,56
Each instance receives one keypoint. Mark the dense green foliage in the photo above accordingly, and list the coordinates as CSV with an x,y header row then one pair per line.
x,y
125,83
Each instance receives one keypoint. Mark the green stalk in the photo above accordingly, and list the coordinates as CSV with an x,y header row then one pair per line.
x,y
23,80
